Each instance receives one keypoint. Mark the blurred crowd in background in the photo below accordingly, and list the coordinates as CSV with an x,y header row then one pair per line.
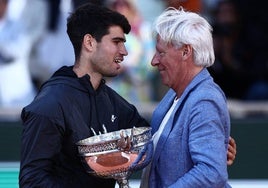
x,y
34,44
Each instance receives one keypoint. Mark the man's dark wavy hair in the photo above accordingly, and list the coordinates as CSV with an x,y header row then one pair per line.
x,y
94,20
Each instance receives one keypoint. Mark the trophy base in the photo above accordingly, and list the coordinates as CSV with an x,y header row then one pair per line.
x,y
113,165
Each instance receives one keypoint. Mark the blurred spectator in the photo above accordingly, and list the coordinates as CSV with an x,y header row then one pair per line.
x,y
37,12
135,83
228,70
10,36
150,9
17,37
240,43
254,39
54,49
190,5
77,3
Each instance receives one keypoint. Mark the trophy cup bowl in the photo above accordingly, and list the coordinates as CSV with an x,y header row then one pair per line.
x,y
117,154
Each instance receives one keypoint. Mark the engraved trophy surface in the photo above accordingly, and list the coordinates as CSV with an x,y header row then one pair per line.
x,y
117,154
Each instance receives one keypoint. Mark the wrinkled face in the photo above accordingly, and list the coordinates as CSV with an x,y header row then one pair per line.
x,y
169,62
110,53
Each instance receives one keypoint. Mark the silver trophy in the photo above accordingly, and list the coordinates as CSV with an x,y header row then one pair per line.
x,y
117,154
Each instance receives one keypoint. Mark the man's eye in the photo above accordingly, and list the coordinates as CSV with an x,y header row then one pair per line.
x,y
161,54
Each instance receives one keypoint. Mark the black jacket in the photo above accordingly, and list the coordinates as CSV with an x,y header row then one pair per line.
x,y
62,113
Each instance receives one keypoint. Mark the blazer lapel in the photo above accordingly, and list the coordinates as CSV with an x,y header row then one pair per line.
x,y
161,110
165,134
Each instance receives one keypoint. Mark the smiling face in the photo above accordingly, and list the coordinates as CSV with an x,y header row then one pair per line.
x,y
175,65
109,53
169,62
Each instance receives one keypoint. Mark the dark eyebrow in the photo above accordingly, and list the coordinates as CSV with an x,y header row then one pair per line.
x,y
119,39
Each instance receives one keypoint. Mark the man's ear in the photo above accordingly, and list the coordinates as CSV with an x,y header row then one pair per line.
x,y
187,51
89,42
